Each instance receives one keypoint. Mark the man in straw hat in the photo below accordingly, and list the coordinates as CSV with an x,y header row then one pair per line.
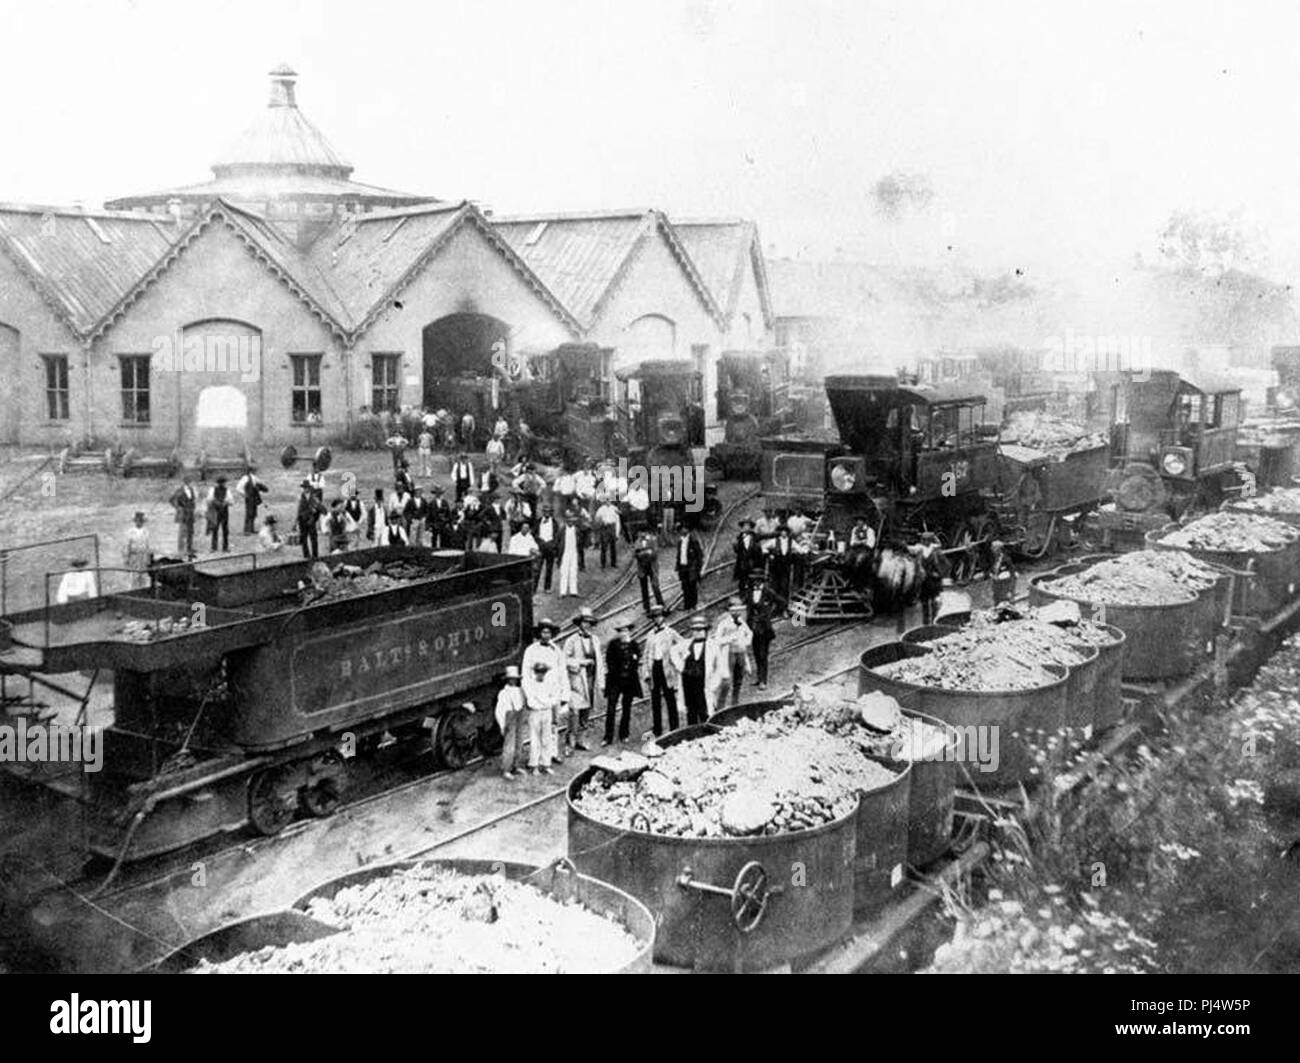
x,y
692,660
734,641
544,650
510,710
622,681
659,669
586,668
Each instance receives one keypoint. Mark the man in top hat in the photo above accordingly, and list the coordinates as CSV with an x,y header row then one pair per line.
x,y
646,552
689,552
510,711
622,681
438,516
77,585
659,668
309,511
734,641
137,553
544,650
462,475
586,667
219,514
184,501
761,607
748,551
269,536
693,660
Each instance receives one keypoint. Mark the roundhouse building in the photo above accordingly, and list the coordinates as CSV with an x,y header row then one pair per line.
x,y
282,298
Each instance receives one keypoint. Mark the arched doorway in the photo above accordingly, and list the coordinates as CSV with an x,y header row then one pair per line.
x,y
651,336
461,352
221,420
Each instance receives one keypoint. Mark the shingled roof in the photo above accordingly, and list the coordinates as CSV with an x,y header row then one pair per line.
x,y
582,257
722,250
82,262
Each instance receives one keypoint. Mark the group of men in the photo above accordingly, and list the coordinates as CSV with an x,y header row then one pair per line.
x,y
547,701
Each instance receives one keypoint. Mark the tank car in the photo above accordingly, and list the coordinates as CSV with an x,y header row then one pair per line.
x,y
242,691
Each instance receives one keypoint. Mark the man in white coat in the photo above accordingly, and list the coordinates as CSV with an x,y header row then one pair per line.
x,y
586,668
734,655
659,669
553,691
510,712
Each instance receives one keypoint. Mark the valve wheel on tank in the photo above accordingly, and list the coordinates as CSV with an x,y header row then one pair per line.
x,y
270,808
749,897
455,738
322,794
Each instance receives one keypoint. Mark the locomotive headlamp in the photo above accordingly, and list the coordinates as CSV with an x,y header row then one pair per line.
x,y
843,478
1173,464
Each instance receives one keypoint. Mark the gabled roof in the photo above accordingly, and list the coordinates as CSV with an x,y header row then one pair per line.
x,y
265,244
723,249
372,258
583,257
82,263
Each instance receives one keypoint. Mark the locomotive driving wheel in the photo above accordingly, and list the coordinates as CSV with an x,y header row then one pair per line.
x,y
322,794
270,807
455,738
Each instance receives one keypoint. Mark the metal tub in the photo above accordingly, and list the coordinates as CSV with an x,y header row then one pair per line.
x,y
1264,581
1080,685
1286,516
1160,641
883,818
1021,717
733,904
560,881
275,929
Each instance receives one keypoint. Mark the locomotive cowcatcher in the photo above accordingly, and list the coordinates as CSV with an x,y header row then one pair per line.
x,y
242,691
912,458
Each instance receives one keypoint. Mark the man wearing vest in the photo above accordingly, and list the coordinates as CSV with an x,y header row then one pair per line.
x,y
586,667
549,545
184,501
693,664
622,681
659,669
462,476
690,562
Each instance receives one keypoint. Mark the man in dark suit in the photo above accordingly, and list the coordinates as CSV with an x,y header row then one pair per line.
x,y
694,667
622,681
439,516
646,551
781,559
690,562
184,500
761,606
253,489
309,511
219,514
462,476
749,554
492,522
550,543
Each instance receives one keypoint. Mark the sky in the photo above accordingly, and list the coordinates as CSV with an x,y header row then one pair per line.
x,y
1057,137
